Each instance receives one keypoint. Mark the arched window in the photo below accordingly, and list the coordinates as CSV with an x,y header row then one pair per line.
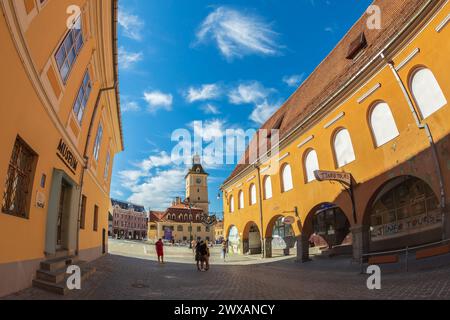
x,y
286,178
311,165
241,200
343,148
186,217
427,92
252,195
231,204
267,187
383,124
190,217
181,217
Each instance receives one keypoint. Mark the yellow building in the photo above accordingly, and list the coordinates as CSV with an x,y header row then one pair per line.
x,y
377,109
60,131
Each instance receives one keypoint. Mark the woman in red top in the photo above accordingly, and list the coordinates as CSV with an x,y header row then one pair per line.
x,y
160,251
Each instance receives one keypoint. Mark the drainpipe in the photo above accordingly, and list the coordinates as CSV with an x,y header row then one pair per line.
x,y
423,126
86,158
263,244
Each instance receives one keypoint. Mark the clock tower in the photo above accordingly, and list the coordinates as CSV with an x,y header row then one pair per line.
x,y
197,185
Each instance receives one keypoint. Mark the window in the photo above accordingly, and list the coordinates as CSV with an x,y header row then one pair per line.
x,y
286,178
180,228
199,229
19,180
108,160
343,148
98,141
427,92
95,218
82,98
67,53
241,200
311,165
231,204
383,124
267,188
83,212
252,195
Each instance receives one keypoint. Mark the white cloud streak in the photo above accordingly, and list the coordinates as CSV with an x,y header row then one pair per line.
x,y
131,25
158,100
203,93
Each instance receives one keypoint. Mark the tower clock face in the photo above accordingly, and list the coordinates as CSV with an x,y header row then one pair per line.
x,y
198,180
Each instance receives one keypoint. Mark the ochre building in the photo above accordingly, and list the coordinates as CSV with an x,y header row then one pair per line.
x,y
60,131
129,221
377,109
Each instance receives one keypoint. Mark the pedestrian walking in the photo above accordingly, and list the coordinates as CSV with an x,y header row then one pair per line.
x,y
198,255
224,249
160,250
205,256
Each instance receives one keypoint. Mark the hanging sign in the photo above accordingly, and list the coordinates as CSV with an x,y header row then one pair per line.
x,y
288,220
343,177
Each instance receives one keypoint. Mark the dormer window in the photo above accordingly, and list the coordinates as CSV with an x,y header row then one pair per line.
x,y
357,46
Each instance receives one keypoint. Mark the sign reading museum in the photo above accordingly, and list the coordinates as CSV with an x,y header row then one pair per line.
x,y
67,156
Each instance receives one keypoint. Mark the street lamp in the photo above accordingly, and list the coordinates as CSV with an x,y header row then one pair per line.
x,y
190,223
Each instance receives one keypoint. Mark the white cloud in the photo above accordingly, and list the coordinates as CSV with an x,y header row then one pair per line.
x,y
249,93
294,80
237,34
128,59
128,106
158,100
210,109
263,111
205,92
131,25
209,130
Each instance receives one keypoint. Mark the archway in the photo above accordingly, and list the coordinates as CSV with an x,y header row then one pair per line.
x,y
234,240
252,239
280,237
403,212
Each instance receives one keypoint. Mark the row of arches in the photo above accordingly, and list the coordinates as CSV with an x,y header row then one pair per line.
x,y
429,98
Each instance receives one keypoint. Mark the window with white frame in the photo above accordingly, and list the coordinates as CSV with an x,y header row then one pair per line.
x,y
383,124
252,195
98,141
82,97
311,165
267,187
286,178
343,148
231,204
241,200
107,164
427,92
69,49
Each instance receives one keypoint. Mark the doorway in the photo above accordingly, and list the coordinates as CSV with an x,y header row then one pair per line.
x,y
61,228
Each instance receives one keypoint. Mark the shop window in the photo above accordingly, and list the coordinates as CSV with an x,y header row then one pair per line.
x,y
311,165
286,178
82,98
252,195
267,188
383,125
69,50
343,148
98,141
19,180
427,92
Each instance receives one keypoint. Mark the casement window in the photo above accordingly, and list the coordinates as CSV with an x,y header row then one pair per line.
x,y
82,98
95,218
107,164
267,188
180,228
19,180
383,125
83,212
231,204
427,92
241,200
69,50
286,178
98,141
252,195
343,148
311,165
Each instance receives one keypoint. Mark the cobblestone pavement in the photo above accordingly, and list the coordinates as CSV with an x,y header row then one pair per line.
x,y
123,278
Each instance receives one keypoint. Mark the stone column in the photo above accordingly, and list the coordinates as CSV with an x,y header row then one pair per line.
x,y
268,247
361,240
245,246
302,249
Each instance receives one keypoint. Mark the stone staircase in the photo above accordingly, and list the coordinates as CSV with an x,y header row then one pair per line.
x,y
52,274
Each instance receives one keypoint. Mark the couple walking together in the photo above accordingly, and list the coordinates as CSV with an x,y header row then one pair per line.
x,y
202,256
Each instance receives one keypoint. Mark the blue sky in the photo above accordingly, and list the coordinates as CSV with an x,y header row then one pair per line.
x,y
229,64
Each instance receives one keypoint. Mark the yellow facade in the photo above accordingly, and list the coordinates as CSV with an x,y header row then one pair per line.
x,y
407,154
38,107
181,231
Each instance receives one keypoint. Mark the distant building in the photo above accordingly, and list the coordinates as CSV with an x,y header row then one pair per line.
x,y
129,221
219,232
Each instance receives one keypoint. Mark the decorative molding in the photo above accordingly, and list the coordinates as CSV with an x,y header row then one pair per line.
x,y
251,178
265,169
408,59
369,93
284,157
334,120
301,144
443,23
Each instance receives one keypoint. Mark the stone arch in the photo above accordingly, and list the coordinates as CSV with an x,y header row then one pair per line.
x,y
278,236
251,238
234,239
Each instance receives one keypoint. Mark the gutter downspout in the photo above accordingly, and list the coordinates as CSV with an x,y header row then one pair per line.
x,y
263,244
86,158
423,126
